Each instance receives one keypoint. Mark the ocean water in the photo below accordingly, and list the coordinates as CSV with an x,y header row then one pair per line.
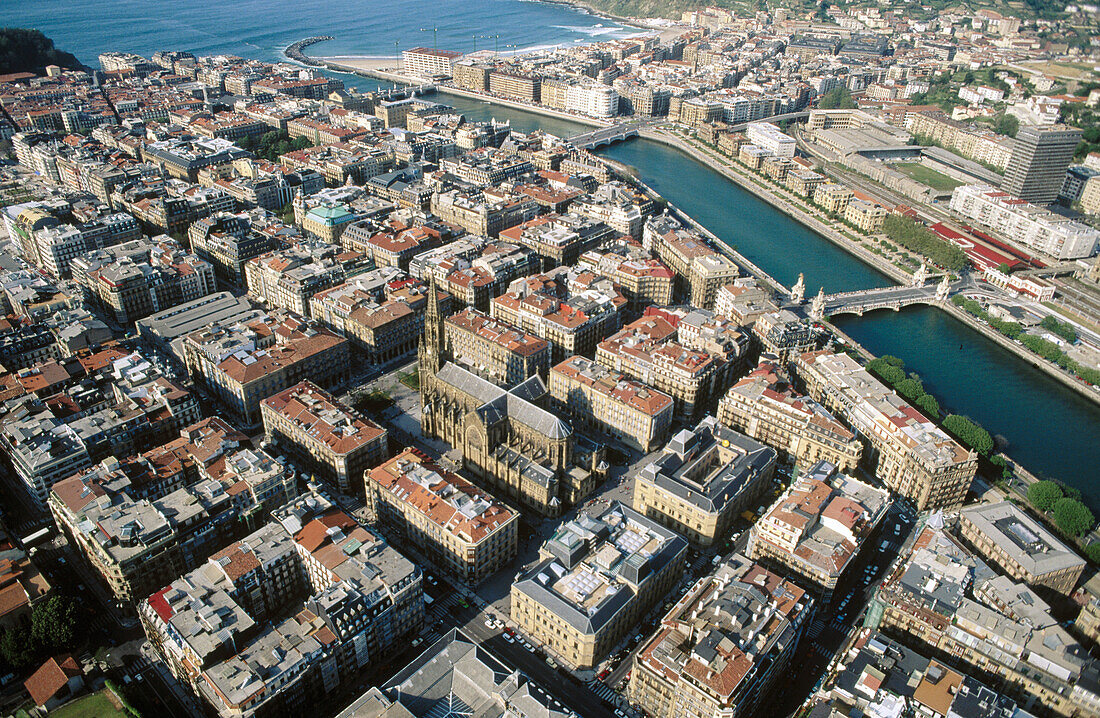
x,y
260,29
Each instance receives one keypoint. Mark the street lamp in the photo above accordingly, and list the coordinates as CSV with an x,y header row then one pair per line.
x,y
435,35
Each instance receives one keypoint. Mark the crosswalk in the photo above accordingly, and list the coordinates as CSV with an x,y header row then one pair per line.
x,y
815,629
602,690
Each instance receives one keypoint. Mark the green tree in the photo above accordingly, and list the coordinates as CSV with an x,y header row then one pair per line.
x,y
17,647
910,388
1001,463
54,623
1044,494
1093,552
1004,268
838,98
929,406
969,433
915,237
1072,516
1007,124
1062,329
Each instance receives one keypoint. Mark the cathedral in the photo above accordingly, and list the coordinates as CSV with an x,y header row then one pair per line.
x,y
509,441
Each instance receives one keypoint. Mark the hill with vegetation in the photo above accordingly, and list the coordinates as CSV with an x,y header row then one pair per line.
x,y
25,50
672,9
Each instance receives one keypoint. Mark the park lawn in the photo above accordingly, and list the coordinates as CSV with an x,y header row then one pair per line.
x,y
97,705
927,175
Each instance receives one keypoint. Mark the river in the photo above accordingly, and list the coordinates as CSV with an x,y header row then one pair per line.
x,y
1048,428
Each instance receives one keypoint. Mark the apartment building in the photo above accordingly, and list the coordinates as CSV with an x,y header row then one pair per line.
x,y
595,578
907,452
700,268
646,350
644,280
723,647
495,350
866,216
765,407
383,326
273,624
483,213
331,441
559,240
572,309
288,278
706,476
245,363
1025,224
817,526
1005,535
42,449
227,241
618,206
609,402
462,529
939,597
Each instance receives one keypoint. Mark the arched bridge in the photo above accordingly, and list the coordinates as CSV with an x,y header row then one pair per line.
x,y
604,136
895,298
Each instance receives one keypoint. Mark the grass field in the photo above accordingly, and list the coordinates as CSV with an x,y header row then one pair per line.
x,y
97,705
926,175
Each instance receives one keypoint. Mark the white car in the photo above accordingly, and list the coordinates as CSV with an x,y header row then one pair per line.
x,y
490,623
509,638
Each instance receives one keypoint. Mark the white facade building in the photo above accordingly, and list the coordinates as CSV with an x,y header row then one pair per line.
x,y
771,138
1024,223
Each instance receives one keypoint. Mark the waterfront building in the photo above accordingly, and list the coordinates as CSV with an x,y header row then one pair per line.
x,y
460,528
769,137
833,197
331,441
495,350
766,408
618,206
700,268
506,437
1025,224
596,577
706,476
277,622
907,452
1040,156
1025,550
243,364
868,217
609,402
723,646
818,525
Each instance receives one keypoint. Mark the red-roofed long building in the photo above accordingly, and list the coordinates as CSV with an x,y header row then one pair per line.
x,y
462,528
323,435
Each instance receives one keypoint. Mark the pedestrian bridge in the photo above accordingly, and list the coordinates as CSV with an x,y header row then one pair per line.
x,y
604,136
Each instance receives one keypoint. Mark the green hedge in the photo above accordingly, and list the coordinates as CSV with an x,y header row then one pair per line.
x,y
915,237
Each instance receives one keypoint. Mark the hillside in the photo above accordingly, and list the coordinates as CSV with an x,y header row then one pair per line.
x,y
25,50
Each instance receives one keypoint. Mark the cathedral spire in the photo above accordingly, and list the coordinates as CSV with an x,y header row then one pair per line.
x,y
432,343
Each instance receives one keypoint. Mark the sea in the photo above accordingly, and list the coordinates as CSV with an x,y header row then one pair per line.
x,y
261,29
